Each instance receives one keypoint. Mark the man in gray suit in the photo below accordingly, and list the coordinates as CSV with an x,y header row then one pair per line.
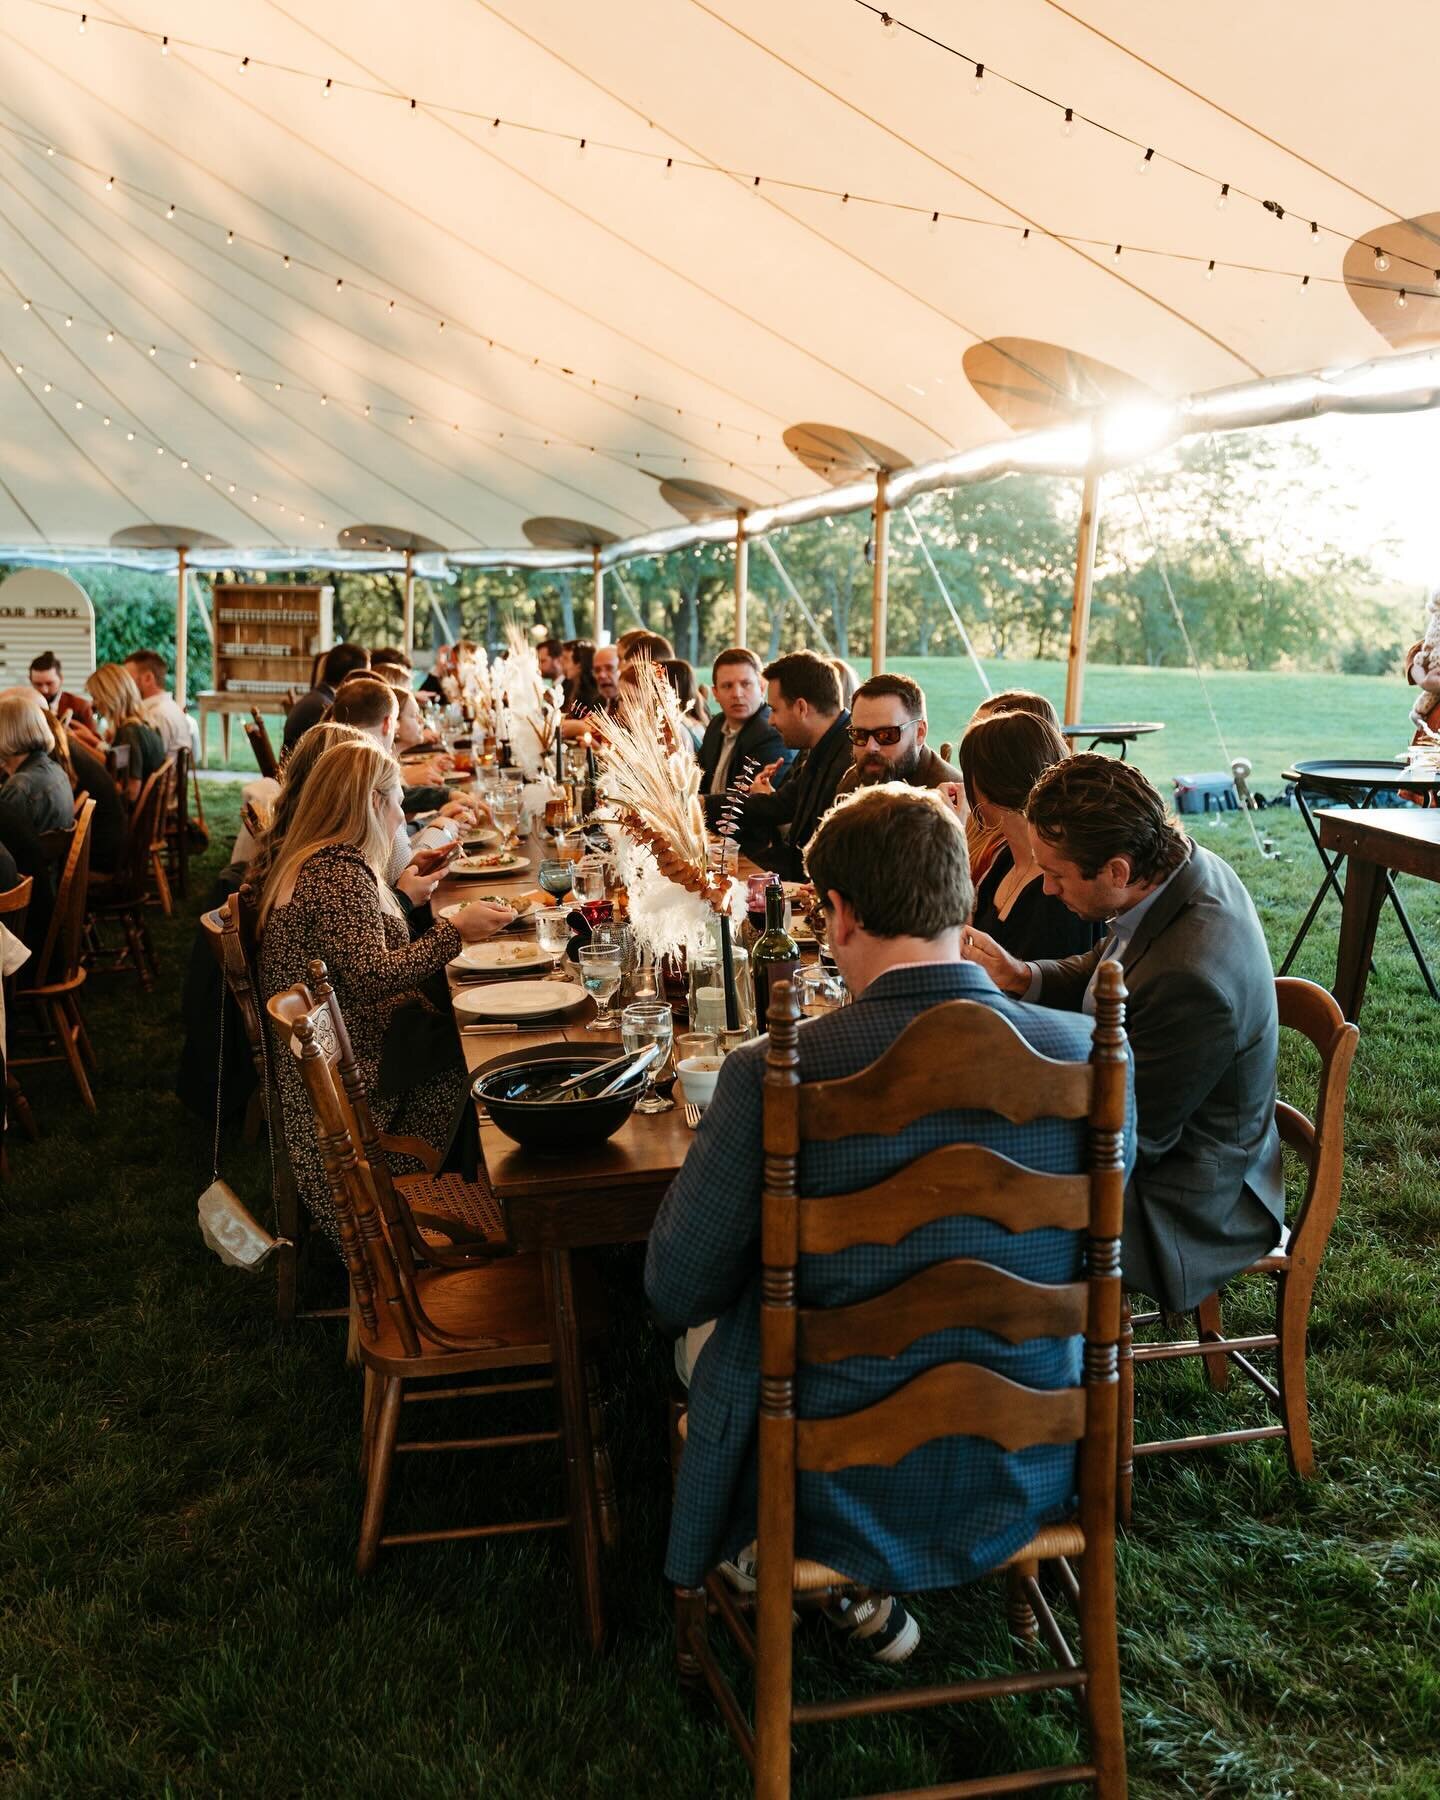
x,y
1207,1196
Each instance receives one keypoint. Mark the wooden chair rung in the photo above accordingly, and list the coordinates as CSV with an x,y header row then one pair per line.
x,y
480,1391
1249,1435
721,1693
394,1539
950,1693
1262,1381
1049,1624
731,1617
1204,1347
1023,1783
419,1445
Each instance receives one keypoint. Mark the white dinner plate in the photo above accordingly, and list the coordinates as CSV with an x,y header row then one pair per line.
x,y
518,999
495,955
479,837
490,862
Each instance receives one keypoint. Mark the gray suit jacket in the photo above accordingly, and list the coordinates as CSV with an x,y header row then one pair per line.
x,y
1207,1196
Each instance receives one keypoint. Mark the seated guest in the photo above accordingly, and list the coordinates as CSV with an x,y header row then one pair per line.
x,y
35,791
955,1508
177,731
887,730
444,667
640,642
325,895
47,679
1002,756
1207,1198
90,779
741,731
388,657
985,841
605,675
804,701
309,709
547,654
126,726
294,772
577,658
681,677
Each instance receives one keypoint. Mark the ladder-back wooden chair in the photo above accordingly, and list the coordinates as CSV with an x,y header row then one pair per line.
x,y
51,981
419,1324
159,848
14,905
175,825
1292,1266
259,740
121,896
957,1055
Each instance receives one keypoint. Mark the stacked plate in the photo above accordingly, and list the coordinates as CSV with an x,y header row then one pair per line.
x,y
533,1003
499,960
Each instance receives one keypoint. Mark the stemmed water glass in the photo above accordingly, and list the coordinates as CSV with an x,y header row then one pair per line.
x,y
505,810
600,967
552,933
646,1022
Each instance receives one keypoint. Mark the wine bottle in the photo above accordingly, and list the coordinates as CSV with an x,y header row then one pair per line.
x,y
774,956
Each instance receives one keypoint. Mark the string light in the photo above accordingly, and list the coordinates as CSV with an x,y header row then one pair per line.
x,y
339,283
667,171
1067,124
1143,166
1118,249
1025,238
229,237
244,65
84,17
934,221
110,336
69,322
887,25
1382,262
164,46
1401,301
110,185
193,363
328,88
285,261
978,85
170,210
1222,196
1314,234
1304,284
152,349
1210,270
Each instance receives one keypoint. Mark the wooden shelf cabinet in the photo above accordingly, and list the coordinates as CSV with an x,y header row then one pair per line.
x,y
266,638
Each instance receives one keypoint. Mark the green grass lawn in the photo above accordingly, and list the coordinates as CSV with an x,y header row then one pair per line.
x,y
179,1612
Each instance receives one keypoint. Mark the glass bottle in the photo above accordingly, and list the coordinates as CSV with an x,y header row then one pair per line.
x,y
774,956
705,982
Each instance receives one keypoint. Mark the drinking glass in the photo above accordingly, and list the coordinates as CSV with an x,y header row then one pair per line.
x,y
555,876
821,990
648,1022
691,1044
589,880
552,933
600,971
505,810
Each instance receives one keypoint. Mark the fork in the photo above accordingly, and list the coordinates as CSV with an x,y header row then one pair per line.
x,y
692,1115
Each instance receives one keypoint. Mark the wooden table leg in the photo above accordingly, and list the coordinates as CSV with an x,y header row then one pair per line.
x,y
575,1440
1364,893
204,735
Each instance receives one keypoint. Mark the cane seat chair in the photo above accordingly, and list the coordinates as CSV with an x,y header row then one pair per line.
x,y
418,1324
1292,1266
922,1073
51,982
14,905
121,896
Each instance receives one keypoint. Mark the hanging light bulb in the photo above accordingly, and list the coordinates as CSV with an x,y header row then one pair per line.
x,y
1143,166
229,237
164,46
1382,261
1222,196
152,350
934,221
1025,238
69,322
1401,301
1067,124
159,449
324,399
110,335
83,18
1210,270
1314,234
49,387
170,210
978,85
1304,284
285,261
79,406
1118,249
328,88
669,168
339,283
243,70
24,306
239,376
887,25
193,363
110,185
50,150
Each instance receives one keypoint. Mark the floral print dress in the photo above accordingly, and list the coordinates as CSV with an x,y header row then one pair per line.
x,y
335,914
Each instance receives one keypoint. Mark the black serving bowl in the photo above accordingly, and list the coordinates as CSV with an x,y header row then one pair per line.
x,y
553,1127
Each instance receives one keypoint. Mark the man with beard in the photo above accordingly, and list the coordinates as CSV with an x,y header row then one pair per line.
x,y
887,734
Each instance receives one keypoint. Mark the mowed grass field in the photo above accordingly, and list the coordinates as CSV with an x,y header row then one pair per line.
x,y
179,1612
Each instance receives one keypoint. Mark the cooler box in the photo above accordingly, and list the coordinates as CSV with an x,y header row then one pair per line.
x,y
1210,792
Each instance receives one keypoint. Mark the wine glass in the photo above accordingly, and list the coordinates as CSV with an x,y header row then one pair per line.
x,y
589,880
552,933
648,1022
600,966
505,810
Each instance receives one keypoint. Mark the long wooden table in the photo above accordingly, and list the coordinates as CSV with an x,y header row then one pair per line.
x,y
1374,845
557,1205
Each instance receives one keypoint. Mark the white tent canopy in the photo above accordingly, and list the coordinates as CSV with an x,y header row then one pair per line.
x,y
568,323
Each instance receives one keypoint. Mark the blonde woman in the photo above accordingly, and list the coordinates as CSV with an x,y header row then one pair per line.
x,y
125,726
36,792
326,895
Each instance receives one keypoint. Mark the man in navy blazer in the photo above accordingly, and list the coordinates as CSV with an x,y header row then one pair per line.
x,y
892,868
740,732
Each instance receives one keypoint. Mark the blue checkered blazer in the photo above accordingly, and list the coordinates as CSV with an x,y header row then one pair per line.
x,y
955,1507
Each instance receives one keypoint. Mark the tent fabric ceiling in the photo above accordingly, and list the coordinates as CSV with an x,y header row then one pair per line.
x,y
571,327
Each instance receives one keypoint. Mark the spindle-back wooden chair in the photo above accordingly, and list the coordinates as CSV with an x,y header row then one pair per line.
x,y
259,740
1292,1266
14,905
121,895
417,1324
958,1055
51,981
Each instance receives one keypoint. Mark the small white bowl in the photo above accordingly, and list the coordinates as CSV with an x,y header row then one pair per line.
x,y
698,1075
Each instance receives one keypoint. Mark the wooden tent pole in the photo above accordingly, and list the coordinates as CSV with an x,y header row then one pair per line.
x,y
742,579
880,583
407,639
182,621
599,624
1084,584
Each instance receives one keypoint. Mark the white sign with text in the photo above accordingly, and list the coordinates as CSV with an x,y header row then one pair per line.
x,y
41,609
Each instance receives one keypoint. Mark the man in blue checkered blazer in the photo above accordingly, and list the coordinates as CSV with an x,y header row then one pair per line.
x,y
892,867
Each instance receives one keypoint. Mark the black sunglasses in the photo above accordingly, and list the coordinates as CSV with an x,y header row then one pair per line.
x,y
888,735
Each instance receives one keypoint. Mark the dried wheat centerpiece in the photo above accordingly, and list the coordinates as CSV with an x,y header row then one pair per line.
x,y
649,773
531,707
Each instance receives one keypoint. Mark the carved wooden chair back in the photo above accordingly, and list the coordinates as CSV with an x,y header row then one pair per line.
x,y
58,963
259,739
921,1074
15,903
